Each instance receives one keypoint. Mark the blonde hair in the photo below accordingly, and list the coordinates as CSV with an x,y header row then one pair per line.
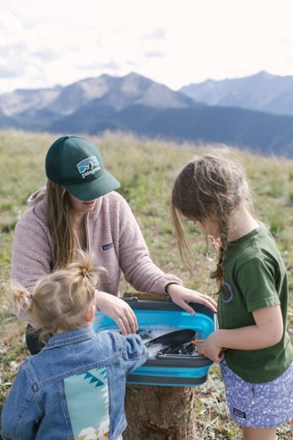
x,y
210,184
61,299
59,221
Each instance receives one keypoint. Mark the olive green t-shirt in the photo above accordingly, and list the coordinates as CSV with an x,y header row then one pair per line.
x,y
254,277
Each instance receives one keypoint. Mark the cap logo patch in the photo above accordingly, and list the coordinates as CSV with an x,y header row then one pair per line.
x,y
88,166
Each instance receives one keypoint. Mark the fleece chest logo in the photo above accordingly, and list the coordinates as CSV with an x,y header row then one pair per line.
x,y
107,246
88,166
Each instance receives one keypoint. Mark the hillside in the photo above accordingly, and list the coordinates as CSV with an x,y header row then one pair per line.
x,y
258,132
146,170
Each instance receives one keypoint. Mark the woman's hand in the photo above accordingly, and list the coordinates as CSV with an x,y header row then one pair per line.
x,y
118,310
182,296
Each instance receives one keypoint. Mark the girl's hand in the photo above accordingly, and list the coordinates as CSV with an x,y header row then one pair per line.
x,y
118,310
213,349
182,296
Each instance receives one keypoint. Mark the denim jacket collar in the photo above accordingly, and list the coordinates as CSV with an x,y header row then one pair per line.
x,y
70,337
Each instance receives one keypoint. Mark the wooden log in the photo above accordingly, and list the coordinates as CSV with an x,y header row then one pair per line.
x,y
150,296
159,412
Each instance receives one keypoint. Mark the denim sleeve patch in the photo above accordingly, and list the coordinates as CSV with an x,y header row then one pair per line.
x,y
87,399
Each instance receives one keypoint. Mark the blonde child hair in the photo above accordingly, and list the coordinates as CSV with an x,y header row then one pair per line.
x,y
60,300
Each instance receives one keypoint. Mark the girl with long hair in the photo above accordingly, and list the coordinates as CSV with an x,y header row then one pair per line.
x,y
251,344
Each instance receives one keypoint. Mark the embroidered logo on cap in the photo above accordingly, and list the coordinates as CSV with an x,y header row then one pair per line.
x,y
88,166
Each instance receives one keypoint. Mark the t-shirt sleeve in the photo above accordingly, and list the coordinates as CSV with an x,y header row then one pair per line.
x,y
257,278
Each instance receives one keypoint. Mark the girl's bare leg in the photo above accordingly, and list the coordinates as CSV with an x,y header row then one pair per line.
x,y
259,433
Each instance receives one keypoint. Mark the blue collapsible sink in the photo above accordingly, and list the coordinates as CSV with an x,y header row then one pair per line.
x,y
165,316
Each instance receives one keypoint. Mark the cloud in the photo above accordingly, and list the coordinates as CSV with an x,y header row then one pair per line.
x,y
46,55
158,33
170,42
111,65
155,54
14,51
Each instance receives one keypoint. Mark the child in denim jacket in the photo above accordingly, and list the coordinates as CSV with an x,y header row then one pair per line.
x,y
75,387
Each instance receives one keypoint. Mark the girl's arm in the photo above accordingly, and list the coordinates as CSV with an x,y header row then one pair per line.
x,y
134,352
267,331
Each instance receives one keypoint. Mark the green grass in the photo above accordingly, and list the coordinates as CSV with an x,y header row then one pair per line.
x,y
146,170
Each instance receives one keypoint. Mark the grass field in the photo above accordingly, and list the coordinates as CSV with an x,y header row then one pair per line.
x,y
146,170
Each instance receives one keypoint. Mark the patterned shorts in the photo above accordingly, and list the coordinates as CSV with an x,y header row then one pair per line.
x,y
264,405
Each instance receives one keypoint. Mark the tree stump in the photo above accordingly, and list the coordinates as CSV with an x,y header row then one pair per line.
x,y
159,412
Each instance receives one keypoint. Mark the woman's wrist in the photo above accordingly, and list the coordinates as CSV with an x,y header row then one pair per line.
x,y
168,285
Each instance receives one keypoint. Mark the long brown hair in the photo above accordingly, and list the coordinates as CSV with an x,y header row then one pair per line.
x,y
211,184
59,221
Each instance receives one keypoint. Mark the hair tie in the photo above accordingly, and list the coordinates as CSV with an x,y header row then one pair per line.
x,y
85,273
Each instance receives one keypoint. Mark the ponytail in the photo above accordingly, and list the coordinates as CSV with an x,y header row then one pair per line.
x,y
60,300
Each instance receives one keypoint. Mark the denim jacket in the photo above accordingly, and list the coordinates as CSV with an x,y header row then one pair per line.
x,y
74,388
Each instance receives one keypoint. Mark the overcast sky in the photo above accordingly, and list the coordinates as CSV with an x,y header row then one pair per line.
x,y
173,42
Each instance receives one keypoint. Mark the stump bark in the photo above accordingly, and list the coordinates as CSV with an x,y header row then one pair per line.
x,y
159,412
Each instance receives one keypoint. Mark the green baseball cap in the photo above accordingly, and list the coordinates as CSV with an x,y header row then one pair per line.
x,y
77,164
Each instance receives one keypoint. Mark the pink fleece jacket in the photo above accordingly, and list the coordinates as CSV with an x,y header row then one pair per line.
x,y
113,236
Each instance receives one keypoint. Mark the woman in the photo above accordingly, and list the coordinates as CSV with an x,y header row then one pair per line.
x,y
81,210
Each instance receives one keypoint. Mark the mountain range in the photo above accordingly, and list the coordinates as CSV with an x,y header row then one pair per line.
x,y
254,113
263,92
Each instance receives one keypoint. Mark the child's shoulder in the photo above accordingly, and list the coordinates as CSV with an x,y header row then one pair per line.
x,y
114,339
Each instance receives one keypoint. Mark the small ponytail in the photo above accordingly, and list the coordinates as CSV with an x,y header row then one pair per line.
x,y
21,297
84,277
85,273
61,299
